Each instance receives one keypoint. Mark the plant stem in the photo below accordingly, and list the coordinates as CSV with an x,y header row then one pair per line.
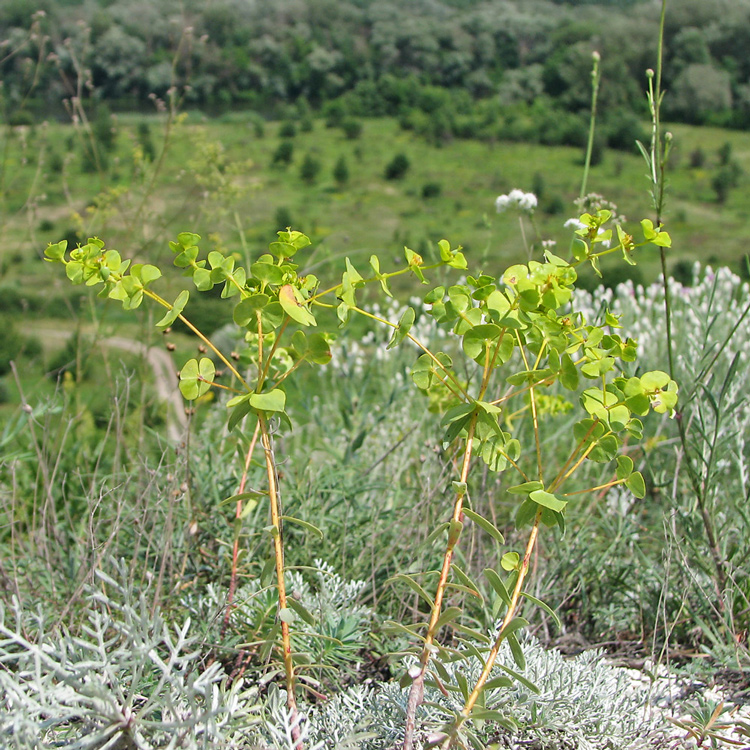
x,y
416,693
595,79
238,526
509,615
278,549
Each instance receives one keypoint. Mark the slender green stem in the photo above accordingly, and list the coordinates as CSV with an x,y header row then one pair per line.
x,y
202,337
416,341
595,80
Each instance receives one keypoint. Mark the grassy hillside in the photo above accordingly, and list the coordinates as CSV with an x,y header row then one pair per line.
x,y
218,178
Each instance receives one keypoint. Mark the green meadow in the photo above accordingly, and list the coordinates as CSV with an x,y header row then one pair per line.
x,y
218,178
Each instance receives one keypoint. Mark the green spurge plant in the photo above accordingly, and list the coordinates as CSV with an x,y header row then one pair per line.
x,y
518,336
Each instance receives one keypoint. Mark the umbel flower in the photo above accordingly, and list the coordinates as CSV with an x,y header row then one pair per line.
x,y
525,202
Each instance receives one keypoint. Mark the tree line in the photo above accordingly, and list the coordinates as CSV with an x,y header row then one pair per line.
x,y
448,67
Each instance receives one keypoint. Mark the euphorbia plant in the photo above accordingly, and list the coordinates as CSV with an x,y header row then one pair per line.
x,y
522,336
272,306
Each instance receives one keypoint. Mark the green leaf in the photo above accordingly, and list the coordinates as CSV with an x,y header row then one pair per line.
x,y
526,488
519,678
479,338
526,513
435,533
466,581
292,603
414,586
450,613
145,273
56,252
568,373
515,647
435,295
516,624
598,367
498,304
548,500
654,381
636,484
177,308
266,573
187,239
411,630
579,248
404,326
498,683
319,348
291,300
237,498
240,410
202,279
510,560
539,603
488,714
624,467
304,524
274,400
497,584
460,297
296,239
267,272
299,343
196,378
287,615
488,526
245,312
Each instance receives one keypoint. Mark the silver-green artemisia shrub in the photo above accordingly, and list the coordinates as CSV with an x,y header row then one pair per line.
x,y
127,680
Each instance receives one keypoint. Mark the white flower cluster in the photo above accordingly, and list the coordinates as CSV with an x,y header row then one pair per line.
x,y
516,198
578,224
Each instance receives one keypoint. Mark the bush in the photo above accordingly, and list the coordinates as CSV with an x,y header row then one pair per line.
x,y
682,271
726,178
623,131
431,189
283,154
352,128
11,344
697,157
725,154
283,217
554,205
145,141
21,118
397,167
287,130
341,171
310,169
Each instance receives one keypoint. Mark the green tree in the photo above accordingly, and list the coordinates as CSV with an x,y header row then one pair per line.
x,y
341,171
283,154
310,169
397,167
699,90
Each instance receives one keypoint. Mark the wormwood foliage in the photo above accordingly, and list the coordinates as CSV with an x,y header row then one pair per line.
x,y
132,681
510,338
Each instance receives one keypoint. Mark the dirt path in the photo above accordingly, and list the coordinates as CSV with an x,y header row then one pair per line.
x,y
162,367
165,382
